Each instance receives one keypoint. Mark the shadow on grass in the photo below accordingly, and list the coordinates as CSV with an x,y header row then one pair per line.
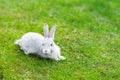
x,y
37,57
34,61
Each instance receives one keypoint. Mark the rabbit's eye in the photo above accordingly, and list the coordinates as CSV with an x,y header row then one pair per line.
x,y
51,44
43,44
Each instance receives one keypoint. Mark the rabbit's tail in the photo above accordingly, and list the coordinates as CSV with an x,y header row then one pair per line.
x,y
17,42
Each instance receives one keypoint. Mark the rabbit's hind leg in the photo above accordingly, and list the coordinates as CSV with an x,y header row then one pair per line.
x,y
26,52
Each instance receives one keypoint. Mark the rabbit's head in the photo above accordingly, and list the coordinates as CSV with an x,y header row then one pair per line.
x,y
48,42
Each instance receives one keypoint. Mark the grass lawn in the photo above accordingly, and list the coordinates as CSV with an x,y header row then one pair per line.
x,y
88,32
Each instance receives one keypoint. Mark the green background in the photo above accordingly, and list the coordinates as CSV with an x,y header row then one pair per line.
x,y
88,32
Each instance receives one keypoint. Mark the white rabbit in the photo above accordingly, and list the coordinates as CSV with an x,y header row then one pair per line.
x,y
34,43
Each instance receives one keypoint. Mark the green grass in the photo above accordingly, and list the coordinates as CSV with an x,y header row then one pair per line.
x,y
88,33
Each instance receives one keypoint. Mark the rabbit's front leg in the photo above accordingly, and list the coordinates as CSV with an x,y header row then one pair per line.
x,y
62,57
59,57
55,58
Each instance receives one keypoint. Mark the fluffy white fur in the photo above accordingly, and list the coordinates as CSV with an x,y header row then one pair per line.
x,y
34,43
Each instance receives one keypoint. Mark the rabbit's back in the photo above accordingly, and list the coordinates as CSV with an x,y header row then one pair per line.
x,y
32,35
31,42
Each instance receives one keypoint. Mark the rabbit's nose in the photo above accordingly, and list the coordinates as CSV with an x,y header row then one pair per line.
x,y
46,51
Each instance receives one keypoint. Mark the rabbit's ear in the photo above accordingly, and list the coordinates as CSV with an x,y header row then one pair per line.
x,y
46,30
52,31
